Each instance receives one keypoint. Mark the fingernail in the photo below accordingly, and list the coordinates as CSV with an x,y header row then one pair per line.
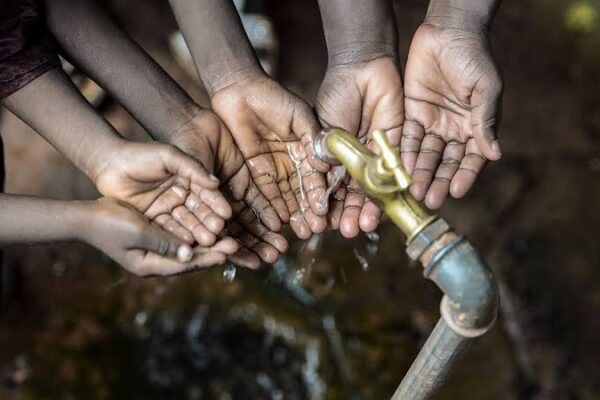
x,y
496,148
213,178
184,253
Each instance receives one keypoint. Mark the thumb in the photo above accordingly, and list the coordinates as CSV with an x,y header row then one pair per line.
x,y
306,127
485,117
184,166
158,241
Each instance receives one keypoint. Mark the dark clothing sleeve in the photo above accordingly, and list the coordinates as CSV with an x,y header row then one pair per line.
x,y
26,47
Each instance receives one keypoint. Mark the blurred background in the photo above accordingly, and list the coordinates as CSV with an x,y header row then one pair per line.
x,y
345,322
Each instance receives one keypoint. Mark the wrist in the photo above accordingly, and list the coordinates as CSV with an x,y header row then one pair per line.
x,y
360,52
228,71
470,16
101,156
81,215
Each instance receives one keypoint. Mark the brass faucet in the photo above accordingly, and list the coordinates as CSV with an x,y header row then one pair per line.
x,y
382,177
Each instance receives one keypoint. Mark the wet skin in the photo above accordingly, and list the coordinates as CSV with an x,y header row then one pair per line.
x,y
134,79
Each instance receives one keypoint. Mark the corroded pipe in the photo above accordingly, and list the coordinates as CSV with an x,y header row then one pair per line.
x,y
470,301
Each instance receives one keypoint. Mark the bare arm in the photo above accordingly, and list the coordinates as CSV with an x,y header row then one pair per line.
x,y
26,219
359,30
471,15
103,51
53,107
216,38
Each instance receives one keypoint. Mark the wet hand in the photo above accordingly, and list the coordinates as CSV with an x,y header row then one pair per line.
x,y
268,123
143,248
453,92
254,219
167,186
360,98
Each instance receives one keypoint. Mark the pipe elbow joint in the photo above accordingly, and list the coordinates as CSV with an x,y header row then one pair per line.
x,y
470,302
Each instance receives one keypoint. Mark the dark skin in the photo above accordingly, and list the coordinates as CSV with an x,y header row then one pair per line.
x,y
453,100
267,121
162,107
111,226
154,179
361,92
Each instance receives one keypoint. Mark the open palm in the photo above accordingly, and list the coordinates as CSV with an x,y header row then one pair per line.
x,y
267,123
360,98
163,183
254,220
453,91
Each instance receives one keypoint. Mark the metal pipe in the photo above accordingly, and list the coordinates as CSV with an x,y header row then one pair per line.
x,y
470,301
431,368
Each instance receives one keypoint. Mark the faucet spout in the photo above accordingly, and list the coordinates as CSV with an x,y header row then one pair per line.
x,y
381,176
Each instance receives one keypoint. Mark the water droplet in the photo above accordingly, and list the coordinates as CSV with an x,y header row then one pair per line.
x,y
229,273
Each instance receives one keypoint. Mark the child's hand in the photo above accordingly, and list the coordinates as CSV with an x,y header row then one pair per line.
x,y
254,220
168,187
267,123
453,92
360,98
142,248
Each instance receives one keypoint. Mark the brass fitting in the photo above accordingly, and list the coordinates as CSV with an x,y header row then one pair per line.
x,y
382,177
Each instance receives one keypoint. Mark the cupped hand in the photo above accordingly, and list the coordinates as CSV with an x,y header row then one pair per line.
x,y
254,220
167,186
144,249
453,93
360,98
268,123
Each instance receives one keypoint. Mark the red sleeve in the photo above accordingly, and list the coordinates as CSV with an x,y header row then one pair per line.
x,y
26,47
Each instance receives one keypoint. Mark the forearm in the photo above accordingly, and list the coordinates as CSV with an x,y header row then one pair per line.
x,y
216,38
53,107
120,66
25,219
472,15
359,30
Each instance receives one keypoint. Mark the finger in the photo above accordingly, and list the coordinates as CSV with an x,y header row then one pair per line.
x,y
370,216
169,224
241,187
263,171
336,207
213,222
184,166
192,224
214,199
167,201
256,239
438,191
160,242
290,189
226,245
265,211
427,162
315,186
306,127
353,204
155,265
468,171
309,142
410,143
245,258
485,116
248,220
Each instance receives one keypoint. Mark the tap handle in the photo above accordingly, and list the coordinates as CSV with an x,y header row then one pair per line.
x,y
392,160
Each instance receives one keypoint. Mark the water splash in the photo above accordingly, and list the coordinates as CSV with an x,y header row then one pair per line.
x,y
229,273
334,179
297,155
